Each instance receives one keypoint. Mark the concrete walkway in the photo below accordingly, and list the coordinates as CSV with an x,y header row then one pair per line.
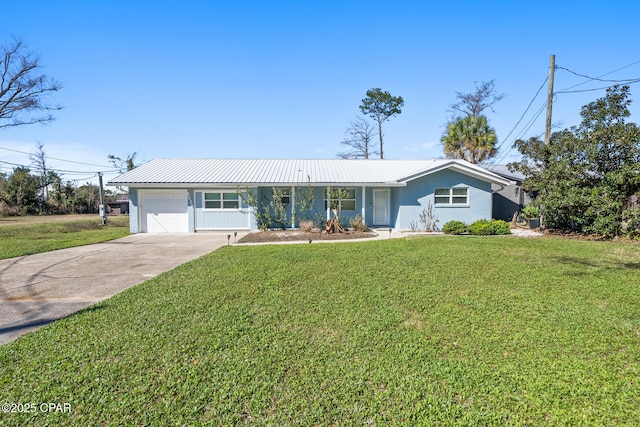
x,y
39,289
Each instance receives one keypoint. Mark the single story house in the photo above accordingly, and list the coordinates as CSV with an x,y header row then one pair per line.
x,y
192,195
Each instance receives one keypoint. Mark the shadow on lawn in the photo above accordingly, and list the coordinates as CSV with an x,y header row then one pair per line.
x,y
10,332
602,264
26,326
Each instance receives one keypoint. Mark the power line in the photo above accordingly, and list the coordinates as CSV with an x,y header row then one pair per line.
x,y
521,134
14,164
603,75
591,90
597,78
62,171
528,126
525,112
55,158
564,91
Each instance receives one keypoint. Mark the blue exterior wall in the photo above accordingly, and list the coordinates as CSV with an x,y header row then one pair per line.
x,y
134,223
219,220
265,197
345,215
191,211
408,202
318,212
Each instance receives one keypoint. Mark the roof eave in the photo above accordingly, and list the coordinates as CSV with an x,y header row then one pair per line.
x,y
458,167
253,184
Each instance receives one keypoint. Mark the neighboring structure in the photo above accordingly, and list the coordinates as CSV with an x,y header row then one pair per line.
x,y
119,206
508,200
190,195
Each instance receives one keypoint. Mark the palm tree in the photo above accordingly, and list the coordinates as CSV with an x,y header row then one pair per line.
x,y
470,138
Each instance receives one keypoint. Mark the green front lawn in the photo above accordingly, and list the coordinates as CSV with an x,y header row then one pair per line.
x,y
424,331
27,239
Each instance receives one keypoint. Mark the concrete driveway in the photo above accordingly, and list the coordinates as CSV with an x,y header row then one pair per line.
x,y
39,289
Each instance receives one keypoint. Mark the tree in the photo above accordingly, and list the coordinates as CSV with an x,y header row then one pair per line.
x,y
87,198
381,106
473,104
46,177
470,138
21,191
358,139
584,179
24,91
125,163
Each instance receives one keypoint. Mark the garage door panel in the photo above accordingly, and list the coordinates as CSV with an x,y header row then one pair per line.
x,y
164,211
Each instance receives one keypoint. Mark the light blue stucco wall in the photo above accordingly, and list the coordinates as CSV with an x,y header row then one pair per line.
x,y
220,220
134,222
405,203
318,212
191,211
408,202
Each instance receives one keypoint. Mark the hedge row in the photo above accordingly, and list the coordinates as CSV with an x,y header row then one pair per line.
x,y
482,227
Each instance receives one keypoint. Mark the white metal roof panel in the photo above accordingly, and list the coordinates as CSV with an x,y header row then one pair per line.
x,y
292,171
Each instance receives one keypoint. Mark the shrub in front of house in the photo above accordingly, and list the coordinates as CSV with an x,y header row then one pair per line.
x,y
481,227
306,225
357,224
484,227
500,227
455,227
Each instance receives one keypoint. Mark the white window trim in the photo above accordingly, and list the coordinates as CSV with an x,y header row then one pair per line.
x,y
286,192
450,204
221,208
327,198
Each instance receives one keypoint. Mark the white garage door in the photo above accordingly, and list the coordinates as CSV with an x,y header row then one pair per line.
x,y
164,211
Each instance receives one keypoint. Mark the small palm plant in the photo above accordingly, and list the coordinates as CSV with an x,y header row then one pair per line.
x,y
531,214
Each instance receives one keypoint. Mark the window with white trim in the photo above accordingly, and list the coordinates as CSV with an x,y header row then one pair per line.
x,y
221,200
451,196
285,192
343,199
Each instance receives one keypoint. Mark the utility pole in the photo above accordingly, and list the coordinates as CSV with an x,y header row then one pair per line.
x,y
552,69
103,213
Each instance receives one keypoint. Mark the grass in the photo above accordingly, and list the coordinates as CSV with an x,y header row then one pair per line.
x,y
424,331
32,238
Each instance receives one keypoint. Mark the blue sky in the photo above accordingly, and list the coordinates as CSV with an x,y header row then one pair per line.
x,y
281,79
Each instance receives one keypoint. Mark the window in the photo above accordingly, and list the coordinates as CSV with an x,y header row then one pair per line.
x,y
452,196
343,199
285,192
221,200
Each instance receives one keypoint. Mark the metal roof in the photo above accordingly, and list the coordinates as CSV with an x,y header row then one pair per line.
x,y
274,171
505,172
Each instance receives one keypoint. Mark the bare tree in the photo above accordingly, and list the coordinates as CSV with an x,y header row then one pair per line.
x,y
473,104
46,176
24,91
358,138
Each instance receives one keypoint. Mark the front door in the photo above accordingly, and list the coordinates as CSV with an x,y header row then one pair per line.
x,y
380,207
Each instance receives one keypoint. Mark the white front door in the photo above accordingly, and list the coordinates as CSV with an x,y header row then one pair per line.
x,y
380,207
